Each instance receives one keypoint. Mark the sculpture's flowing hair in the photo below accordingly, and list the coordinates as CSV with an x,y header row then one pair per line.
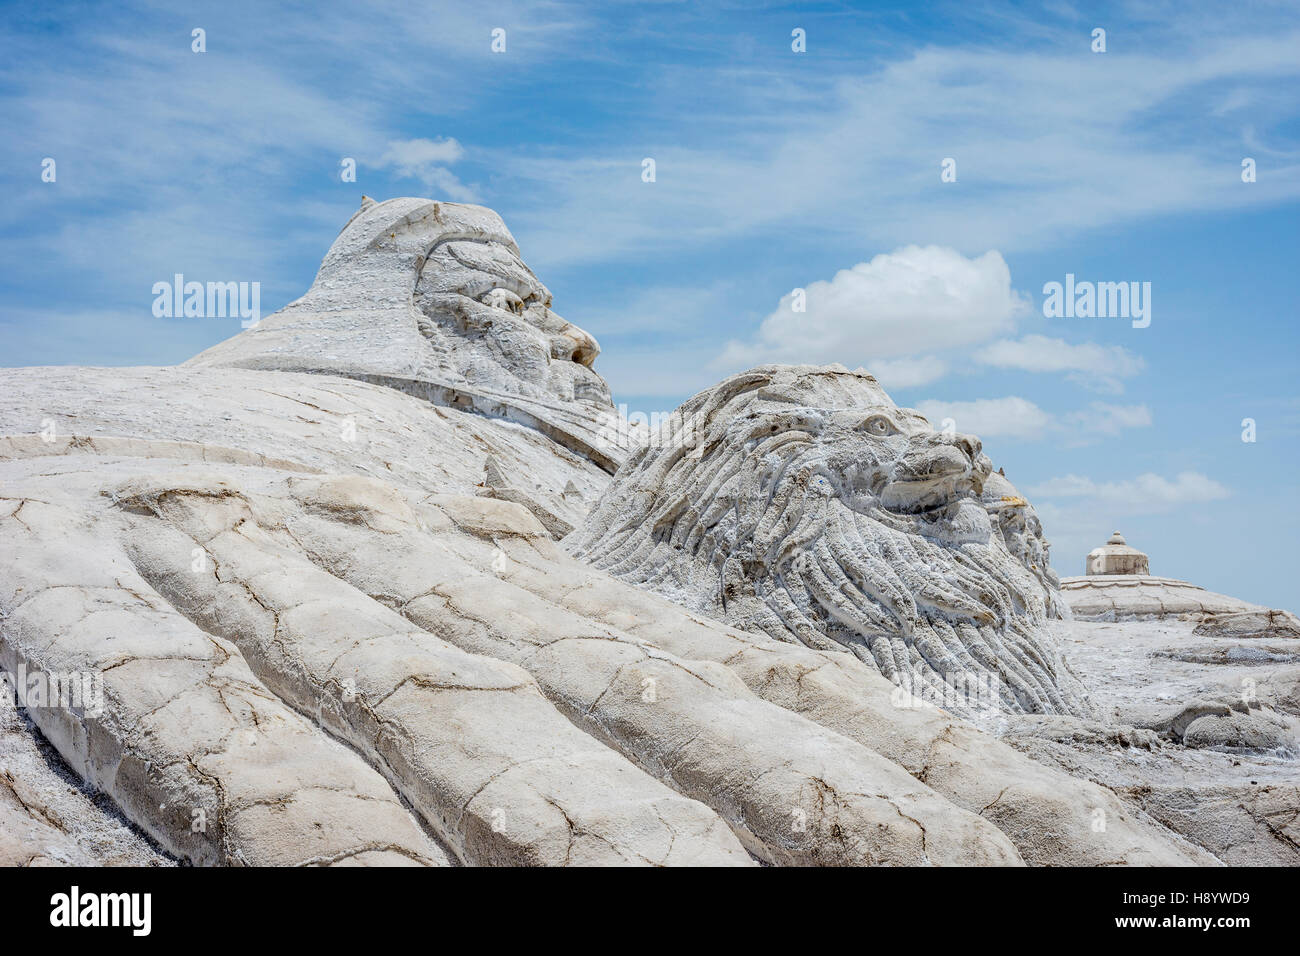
x,y
764,513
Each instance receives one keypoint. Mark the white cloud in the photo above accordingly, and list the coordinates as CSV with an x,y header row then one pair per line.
x,y
911,300
908,372
1009,417
410,156
1103,419
910,315
1099,367
427,161
1145,494
1015,417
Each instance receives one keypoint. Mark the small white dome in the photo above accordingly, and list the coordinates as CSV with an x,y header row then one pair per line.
x,y
1116,557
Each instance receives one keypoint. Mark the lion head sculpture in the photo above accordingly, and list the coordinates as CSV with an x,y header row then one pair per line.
x,y
803,502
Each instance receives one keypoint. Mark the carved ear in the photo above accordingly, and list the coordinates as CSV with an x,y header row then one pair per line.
x,y
366,202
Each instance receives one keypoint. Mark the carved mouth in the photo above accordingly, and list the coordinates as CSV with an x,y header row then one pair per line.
x,y
922,508
927,495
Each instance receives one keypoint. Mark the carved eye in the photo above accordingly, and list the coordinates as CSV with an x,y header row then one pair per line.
x,y
878,425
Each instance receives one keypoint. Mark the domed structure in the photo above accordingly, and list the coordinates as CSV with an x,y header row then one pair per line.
x,y
1118,586
1116,557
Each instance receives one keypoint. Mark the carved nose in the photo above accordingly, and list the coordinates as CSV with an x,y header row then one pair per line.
x,y
971,445
580,345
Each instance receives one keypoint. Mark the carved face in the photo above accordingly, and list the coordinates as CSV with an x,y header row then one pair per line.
x,y
803,502
490,317
892,458
415,289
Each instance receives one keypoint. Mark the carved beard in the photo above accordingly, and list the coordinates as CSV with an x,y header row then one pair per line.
x,y
778,521
937,617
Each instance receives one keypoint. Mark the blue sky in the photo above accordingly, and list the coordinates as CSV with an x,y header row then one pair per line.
x,y
775,170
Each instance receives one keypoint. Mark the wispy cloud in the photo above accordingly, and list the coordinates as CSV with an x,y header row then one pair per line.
x,y
1146,494
1081,149
1010,417
1078,512
1102,418
1098,367
226,163
427,160
1019,418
